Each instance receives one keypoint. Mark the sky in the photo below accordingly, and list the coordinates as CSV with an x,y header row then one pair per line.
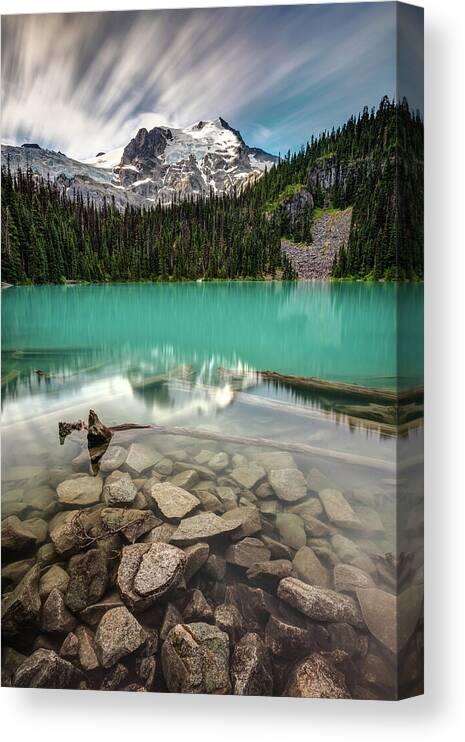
x,y
83,83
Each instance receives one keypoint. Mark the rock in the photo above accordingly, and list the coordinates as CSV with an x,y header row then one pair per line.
x,y
197,608
392,620
164,467
348,578
287,640
42,499
370,520
227,498
15,571
251,670
264,490
64,534
315,677
46,669
46,554
173,502
343,637
118,635
195,659
338,509
248,476
239,459
145,670
291,529
171,618
288,484
219,461
140,457
204,456
209,501
228,619
88,579
256,604
247,520
318,603
201,527
270,571
185,479
22,473
13,508
113,679
247,552
80,492
197,555
346,549
38,527
270,508
93,613
16,534
317,481
202,471
55,577
160,534
113,458
119,492
275,460
215,567
70,646
309,569
278,550
55,615
132,523
11,661
87,651
21,608
148,571
376,671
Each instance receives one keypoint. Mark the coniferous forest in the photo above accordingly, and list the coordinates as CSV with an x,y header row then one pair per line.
x,y
374,163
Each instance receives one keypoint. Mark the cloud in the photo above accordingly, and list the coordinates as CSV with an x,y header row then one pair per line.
x,y
86,82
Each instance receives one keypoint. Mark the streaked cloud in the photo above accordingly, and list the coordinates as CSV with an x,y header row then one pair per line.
x,y
83,83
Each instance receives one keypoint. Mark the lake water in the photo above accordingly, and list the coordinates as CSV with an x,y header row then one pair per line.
x,y
157,353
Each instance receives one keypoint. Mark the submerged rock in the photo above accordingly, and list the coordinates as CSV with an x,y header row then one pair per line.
x,y
291,529
21,608
118,634
113,458
140,458
88,579
348,578
173,502
229,619
195,659
46,669
200,527
55,577
55,615
196,555
148,571
247,552
80,492
318,603
309,569
288,484
391,619
286,639
338,509
16,534
315,677
248,476
247,520
121,491
251,670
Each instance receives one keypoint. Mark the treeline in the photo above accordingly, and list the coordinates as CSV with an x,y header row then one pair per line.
x,y
373,163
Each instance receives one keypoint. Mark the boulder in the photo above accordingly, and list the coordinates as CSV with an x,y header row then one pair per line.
x,y
21,608
201,527
278,550
140,458
173,502
88,579
370,520
160,534
288,484
118,635
148,571
291,529
338,510
121,491
315,677
251,669
310,508
318,603
113,458
308,568
195,659
248,476
46,669
80,492
317,481
247,552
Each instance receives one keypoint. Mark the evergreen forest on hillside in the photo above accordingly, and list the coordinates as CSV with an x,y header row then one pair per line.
x,y
373,163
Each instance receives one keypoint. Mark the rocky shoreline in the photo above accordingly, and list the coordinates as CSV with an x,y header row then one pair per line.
x,y
192,567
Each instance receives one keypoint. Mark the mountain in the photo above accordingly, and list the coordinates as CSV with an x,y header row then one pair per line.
x,y
156,166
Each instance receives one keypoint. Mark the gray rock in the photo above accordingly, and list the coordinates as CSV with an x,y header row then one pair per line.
x,y
311,507
228,619
227,498
15,571
16,534
46,555
196,607
215,567
11,661
291,529
21,608
248,476
346,549
201,527
80,492
278,550
55,615
160,534
195,659
118,635
370,520
185,479
209,501
219,461
55,577
46,669
114,677
317,481
87,651
272,571
88,579
320,604
247,520
247,552
131,523
338,509
120,492
42,499
148,571
173,502
197,555
288,484
164,467
309,569
315,677
348,578
93,613
171,618
391,619
251,670
140,458
113,458
203,472
287,640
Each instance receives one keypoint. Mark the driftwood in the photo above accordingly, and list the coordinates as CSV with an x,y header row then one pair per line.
x,y
331,387
101,431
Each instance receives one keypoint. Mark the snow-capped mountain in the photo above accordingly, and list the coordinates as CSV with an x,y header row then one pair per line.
x,y
159,165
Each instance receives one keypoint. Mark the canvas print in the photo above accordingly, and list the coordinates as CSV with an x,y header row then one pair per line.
x,y
212,351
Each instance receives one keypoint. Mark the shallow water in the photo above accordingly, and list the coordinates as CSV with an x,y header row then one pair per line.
x,y
105,347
